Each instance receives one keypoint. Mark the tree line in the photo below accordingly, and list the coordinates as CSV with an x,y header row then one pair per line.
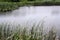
x,y
22,0
14,0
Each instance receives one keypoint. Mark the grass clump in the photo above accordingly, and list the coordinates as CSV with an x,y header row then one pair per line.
x,y
35,33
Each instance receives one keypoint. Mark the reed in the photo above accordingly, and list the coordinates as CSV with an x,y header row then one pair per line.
x,y
35,33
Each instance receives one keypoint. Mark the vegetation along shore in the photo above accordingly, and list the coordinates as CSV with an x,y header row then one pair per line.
x,y
9,5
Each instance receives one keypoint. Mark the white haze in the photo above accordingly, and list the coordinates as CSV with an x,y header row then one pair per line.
x,y
34,14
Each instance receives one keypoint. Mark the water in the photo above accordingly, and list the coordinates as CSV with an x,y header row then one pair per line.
x,y
34,14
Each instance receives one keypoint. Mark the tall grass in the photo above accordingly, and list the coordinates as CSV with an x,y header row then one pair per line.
x,y
19,33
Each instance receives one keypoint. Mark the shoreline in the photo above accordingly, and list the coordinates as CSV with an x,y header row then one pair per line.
x,y
9,6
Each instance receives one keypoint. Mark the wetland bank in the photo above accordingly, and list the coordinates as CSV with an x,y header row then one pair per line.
x,y
29,20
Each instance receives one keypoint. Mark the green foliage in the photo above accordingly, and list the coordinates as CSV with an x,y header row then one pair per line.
x,y
9,5
24,0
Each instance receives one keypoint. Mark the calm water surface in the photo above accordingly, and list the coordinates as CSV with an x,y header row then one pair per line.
x,y
34,14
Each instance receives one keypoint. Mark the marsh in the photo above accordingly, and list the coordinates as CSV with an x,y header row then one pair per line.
x,y
25,15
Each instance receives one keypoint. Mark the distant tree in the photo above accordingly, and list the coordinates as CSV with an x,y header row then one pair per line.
x,y
31,0
23,0
38,0
53,0
15,0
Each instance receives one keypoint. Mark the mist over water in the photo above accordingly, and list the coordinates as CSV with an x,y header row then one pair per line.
x,y
34,14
